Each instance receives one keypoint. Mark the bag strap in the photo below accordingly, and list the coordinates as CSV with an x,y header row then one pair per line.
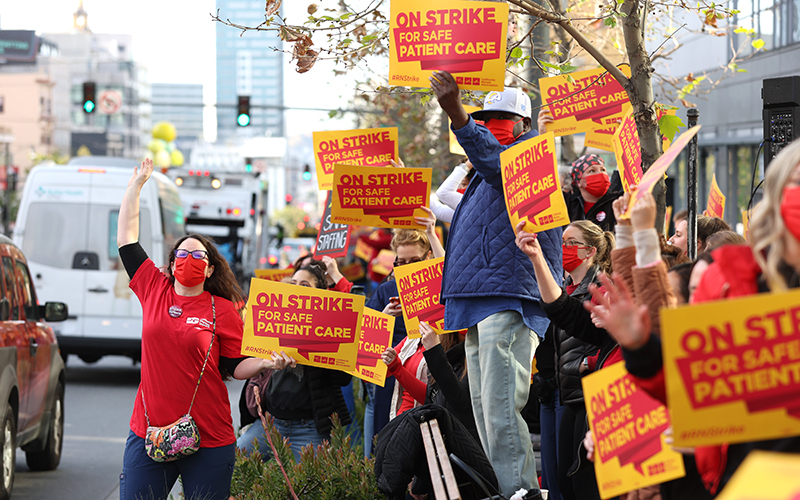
x,y
205,361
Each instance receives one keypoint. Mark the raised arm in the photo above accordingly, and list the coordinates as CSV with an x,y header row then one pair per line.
x,y
430,229
128,223
529,244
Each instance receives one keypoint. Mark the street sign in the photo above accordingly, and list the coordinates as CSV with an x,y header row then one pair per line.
x,y
110,101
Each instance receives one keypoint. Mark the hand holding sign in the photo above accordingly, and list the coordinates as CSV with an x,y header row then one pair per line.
x,y
658,169
449,97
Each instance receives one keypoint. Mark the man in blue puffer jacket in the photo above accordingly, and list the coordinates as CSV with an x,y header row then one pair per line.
x,y
489,285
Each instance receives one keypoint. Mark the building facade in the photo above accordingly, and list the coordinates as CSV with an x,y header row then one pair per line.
x,y
731,114
247,66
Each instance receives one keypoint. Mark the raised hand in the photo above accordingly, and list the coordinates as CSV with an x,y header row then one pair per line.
x,y
281,361
429,222
389,355
141,173
333,268
430,338
620,205
626,322
397,164
527,242
449,97
543,119
643,215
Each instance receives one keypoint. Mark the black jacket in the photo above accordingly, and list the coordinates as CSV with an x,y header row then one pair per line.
x,y
570,349
326,396
400,453
450,387
601,213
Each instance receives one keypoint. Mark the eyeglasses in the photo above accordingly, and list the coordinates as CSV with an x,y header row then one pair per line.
x,y
413,260
196,254
574,243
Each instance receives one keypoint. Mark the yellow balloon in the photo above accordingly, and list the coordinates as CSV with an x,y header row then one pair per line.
x,y
176,158
162,159
156,145
164,131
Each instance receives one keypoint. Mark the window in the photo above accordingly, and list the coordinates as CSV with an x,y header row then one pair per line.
x,y
11,286
27,295
777,22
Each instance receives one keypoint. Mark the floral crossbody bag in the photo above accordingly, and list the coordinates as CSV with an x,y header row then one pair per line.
x,y
182,437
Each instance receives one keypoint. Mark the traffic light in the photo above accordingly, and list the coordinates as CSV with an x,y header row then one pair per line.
x,y
248,165
89,99
307,173
288,198
243,114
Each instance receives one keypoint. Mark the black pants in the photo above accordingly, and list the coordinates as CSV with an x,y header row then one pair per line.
x,y
581,485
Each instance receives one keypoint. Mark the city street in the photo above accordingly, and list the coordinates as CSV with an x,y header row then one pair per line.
x,y
98,403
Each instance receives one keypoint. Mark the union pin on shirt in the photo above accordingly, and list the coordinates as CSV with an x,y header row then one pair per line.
x,y
175,311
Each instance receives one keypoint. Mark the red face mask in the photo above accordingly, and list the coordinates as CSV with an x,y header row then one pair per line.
x,y
461,190
597,184
570,259
790,210
189,271
502,130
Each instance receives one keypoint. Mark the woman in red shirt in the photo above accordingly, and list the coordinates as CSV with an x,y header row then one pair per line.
x,y
195,298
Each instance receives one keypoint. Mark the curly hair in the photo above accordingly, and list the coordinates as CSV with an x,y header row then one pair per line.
x,y
603,241
317,270
222,282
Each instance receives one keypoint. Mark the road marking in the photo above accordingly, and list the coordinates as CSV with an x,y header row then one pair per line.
x,y
96,438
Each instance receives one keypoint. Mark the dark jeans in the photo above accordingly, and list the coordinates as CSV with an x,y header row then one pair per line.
x,y
206,475
550,423
583,484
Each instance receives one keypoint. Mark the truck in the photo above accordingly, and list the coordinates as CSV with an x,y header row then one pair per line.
x,y
226,204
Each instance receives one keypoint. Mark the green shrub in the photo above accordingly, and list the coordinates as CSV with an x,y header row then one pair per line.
x,y
335,472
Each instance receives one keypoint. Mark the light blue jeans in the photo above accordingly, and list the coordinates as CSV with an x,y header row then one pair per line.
x,y
499,352
299,433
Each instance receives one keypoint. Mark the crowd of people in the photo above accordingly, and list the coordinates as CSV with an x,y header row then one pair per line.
x,y
571,300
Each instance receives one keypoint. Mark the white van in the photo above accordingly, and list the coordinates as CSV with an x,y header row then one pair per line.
x,y
67,227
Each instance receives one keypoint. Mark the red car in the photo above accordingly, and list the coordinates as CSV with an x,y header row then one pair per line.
x,y
31,371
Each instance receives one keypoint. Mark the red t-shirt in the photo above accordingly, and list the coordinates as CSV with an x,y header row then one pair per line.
x,y
173,350
587,206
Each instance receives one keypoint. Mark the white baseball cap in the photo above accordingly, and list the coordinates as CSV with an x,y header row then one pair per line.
x,y
510,100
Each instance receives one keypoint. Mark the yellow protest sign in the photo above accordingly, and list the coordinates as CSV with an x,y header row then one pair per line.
x,y
274,274
376,335
455,147
419,286
466,40
765,476
716,200
579,101
385,262
316,327
531,184
602,137
732,369
380,197
628,152
374,147
627,426
659,168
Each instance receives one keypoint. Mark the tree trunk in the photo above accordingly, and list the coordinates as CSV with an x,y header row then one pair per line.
x,y
640,93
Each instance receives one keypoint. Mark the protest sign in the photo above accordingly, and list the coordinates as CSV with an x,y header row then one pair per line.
x,y
364,251
659,168
627,426
419,285
602,137
579,104
455,147
732,369
353,271
376,335
374,147
628,152
274,274
384,262
531,184
716,200
466,40
380,197
332,239
316,327
765,476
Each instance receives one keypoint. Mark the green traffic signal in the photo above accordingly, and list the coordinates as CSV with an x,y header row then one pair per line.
x,y
306,176
243,120
88,106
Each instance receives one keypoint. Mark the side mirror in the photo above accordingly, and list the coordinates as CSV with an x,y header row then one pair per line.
x,y
53,311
